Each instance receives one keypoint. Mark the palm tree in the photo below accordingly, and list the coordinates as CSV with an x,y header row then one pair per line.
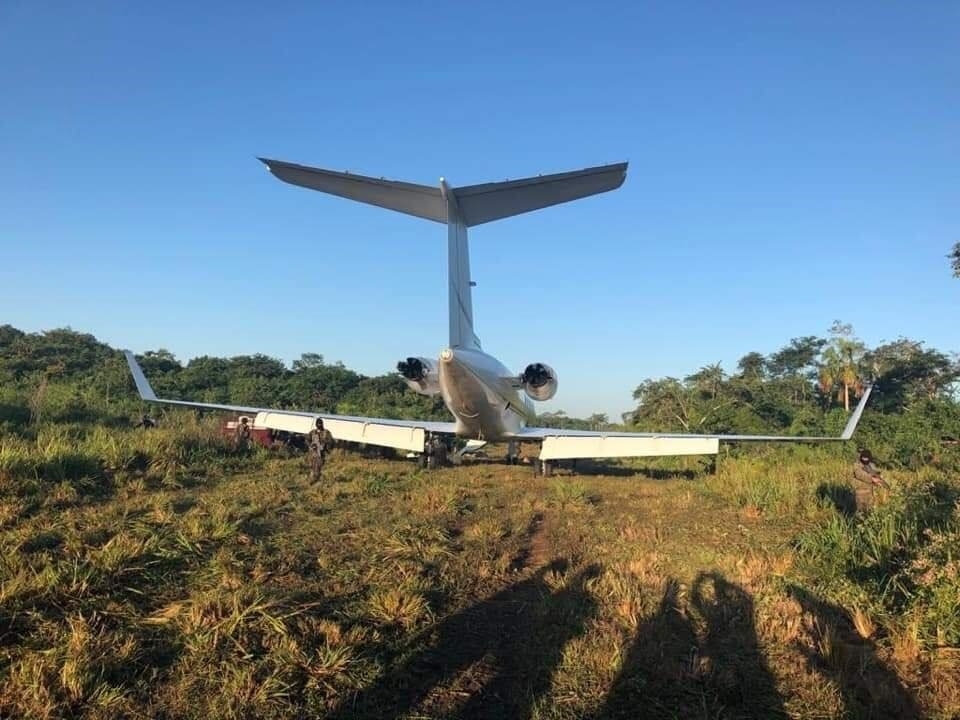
x,y
841,364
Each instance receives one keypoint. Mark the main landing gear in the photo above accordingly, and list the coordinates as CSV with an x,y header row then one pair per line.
x,y
435,453
542,467
513,453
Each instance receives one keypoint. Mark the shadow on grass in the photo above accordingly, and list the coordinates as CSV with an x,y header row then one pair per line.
x,y
869,687
839,496
670,670
500,652
588,466
15,417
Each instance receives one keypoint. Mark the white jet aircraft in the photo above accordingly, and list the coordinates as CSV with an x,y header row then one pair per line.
x,y
482,395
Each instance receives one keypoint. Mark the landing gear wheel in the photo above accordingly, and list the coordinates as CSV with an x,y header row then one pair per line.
x,y
513,456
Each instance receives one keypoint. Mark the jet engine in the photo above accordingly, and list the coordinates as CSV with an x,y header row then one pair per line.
x,y
420,374
539,381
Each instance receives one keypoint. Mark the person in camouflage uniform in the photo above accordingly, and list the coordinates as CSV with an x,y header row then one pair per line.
x,y
146,422
438,453
867,479
319,443
241,434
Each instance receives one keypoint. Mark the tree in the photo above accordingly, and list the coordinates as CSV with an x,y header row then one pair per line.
x,y
388,396
799,355
557,419
320,387
707,380
955,260
699,405
205,379
158,361
840,368
795,366
752,366
906,373
60,352
598,421
307,361
257,365
9,335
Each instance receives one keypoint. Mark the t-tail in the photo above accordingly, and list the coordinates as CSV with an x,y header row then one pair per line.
x,y
460,208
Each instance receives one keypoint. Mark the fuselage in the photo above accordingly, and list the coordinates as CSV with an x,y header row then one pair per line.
x,y
481,394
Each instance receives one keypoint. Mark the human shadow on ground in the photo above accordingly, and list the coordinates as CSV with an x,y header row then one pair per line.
x,y
870,688
501,651
840,496
696,658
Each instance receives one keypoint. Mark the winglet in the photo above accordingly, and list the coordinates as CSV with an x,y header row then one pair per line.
x,y
857,412
143,387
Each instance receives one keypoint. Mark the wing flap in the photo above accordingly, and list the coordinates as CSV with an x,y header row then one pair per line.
x,y
384,432
571,447
559,443
369,432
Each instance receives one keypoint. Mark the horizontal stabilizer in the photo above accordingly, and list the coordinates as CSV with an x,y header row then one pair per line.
x,y
492,201
477,204
418,200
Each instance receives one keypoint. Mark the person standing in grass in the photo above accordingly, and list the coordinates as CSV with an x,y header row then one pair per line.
x,y
868,479
319,443
146,422
241,434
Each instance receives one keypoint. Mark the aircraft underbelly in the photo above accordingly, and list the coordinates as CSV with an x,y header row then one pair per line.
x,y
481,412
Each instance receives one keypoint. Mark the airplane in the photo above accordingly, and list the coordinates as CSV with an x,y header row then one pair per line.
x,y
483,396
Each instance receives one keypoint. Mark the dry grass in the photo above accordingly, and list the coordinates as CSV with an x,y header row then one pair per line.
x,y
158,574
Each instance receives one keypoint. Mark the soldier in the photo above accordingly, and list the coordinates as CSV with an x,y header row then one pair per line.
x,y
868,478
241,434
146,422
319,443
437,453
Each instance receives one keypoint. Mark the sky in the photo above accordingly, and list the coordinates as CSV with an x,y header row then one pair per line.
x,y
790,164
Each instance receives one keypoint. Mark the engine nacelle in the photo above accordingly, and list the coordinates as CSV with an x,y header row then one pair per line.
x,y
539,381
420,374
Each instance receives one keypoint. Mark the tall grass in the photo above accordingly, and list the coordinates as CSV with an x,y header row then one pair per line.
x,y
901,558
159,573
773,482
92,457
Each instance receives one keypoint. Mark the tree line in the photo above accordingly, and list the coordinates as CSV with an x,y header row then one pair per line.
x,y
806,387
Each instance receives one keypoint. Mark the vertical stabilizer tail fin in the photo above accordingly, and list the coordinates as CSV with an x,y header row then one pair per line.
x,y
460,307
460,208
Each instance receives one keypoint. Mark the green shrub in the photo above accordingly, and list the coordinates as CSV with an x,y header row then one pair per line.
x,y
903,555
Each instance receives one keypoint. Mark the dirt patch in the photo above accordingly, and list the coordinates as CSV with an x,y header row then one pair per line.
x,y
536,547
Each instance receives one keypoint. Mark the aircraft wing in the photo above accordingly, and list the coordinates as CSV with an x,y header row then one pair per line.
x,y
400,434
568,444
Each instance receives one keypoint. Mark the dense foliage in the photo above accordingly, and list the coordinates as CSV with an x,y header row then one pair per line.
x,y
806,387
809,387
72,376
163,572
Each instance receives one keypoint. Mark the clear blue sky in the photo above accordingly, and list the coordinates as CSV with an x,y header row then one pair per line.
x,y
790,164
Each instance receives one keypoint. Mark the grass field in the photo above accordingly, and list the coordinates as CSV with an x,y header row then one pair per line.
x,y
156,573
